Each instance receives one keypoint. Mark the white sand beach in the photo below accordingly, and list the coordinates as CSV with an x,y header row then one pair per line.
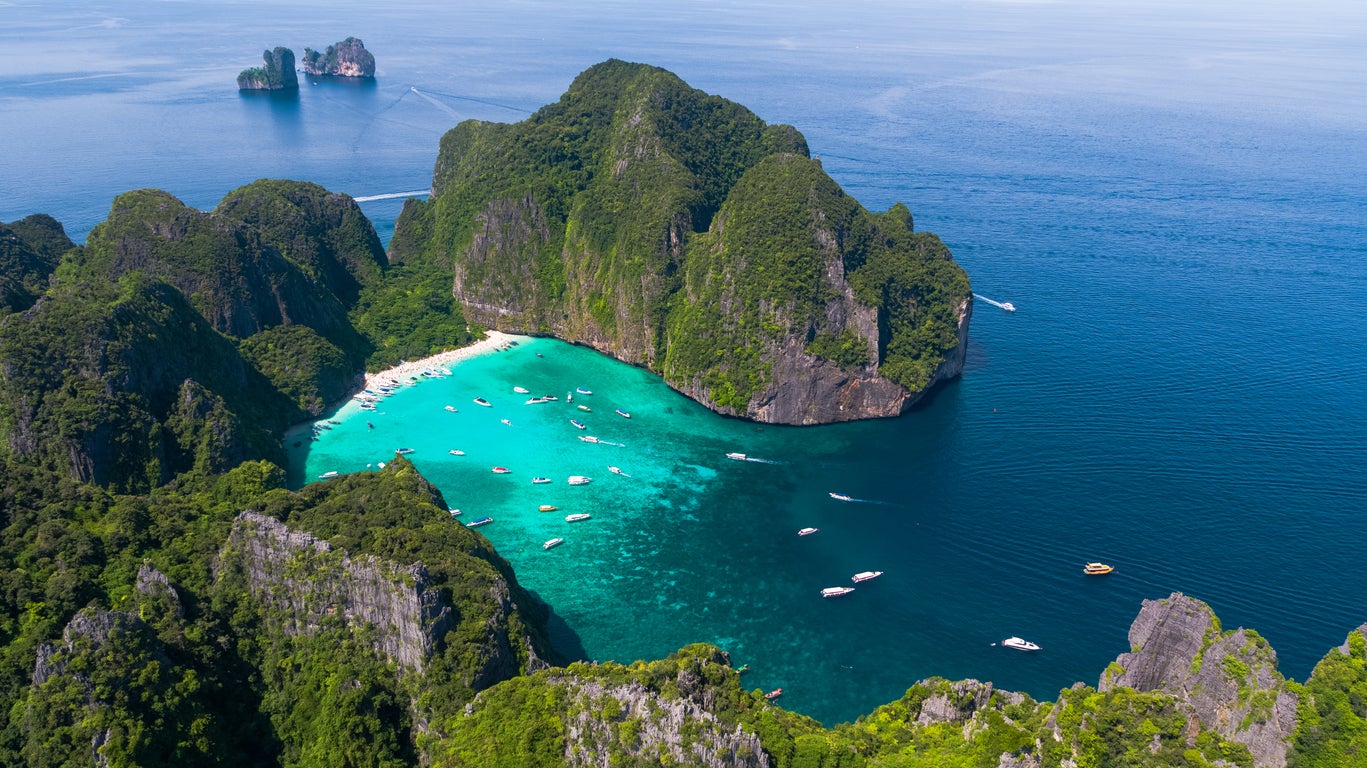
x,y
404,371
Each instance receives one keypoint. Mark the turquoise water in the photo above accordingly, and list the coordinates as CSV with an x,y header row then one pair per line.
x,y
1173,195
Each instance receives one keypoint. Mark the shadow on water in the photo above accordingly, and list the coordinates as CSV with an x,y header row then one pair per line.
x,y
565,642
283,109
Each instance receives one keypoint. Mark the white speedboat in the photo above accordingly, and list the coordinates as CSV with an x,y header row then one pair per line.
x,y
327,475
584,408
580,480
807,531
618,471
501,470
576,517
483,402
479,522
589,439
736,456
866,576
505,421
403,451
577,425
623,413
553,543
451,408
836,591
1019,644
841,497
1008,306
454,512
521,390
583,390
456,452
540,480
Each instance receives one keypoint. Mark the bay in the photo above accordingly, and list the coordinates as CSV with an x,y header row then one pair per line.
x,y
1173,197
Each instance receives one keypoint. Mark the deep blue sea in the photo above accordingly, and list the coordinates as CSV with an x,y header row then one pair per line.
x,y
1174,198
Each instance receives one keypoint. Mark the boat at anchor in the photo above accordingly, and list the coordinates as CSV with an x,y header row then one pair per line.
x,y
836,591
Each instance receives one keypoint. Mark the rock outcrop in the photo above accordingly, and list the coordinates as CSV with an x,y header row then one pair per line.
x,y
678,231
277,73
1227,680
306,583
348,58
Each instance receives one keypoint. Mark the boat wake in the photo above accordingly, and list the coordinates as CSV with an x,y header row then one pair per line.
x,y
393,195
758,460
1006,305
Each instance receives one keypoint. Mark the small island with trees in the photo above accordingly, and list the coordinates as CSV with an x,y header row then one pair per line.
x,y
348,58
276,75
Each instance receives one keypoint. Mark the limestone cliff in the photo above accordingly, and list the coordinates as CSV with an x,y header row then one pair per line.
x,y
276,74
348,58
1227,680
678,231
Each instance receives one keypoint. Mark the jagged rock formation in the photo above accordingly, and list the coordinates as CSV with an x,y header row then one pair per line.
x,y
277,74
29,251
678,231
410,616
670,731
1228,680
348,58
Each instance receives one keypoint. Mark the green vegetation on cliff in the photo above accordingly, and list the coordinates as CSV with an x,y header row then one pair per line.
x,y
677,230
276,74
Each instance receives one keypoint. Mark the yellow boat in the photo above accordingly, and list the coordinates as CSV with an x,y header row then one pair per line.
x,y
547,508
1097,569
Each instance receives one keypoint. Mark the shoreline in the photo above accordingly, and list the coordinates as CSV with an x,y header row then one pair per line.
x,y
402,372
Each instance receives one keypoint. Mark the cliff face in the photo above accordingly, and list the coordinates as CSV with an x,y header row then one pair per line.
x,y
1227,680
678,231
348,58
29,251
411,617
276,74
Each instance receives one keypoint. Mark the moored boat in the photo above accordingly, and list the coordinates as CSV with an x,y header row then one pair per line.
x,y
1097,569
451,408
557,541
456,452
576,517
584,408
521,390
583,390
483,402
836,591
617,471
580,480
866,576
540,480
403,451
505,421
1019,644
841,497
478,522
623,413
774,694
327,475
807,531
454,512
577,425
546,508
501,470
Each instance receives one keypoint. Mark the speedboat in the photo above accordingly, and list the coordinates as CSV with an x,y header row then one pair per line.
x,y
583,390
456,452
807,531
866,576
326,475
501,470
836,591
577,424
736,456
576,517
623,413
540,480
1019,644
1008,306
580,480
454,512
546,508
505,421
841,497
535,400
521,390
617,471
589,439
483,402
451,408
1097,569
403,451
553,543
477,523
774,694
584,408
